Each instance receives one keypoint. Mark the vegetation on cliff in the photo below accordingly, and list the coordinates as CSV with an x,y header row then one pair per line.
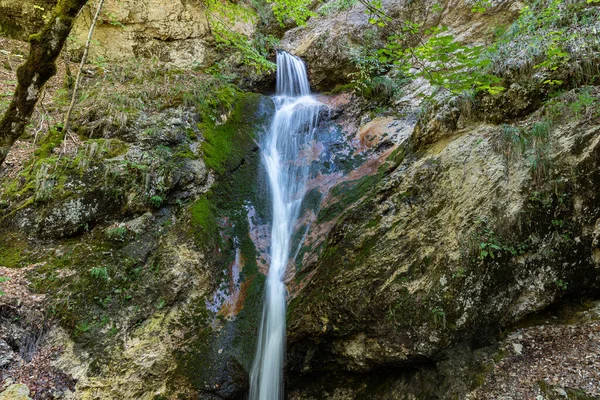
x,y
40,66
453,194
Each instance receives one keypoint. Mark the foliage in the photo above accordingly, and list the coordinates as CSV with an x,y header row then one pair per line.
x,y
549,36
490,246
225,19
579,103
118,96
156,201
439,315
529,141
116,232
481,6
370,80
100,273
2,280
562,285
295,10
446,63
556,38
432,54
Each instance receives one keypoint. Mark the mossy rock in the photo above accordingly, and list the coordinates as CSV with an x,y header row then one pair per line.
x,y
217,360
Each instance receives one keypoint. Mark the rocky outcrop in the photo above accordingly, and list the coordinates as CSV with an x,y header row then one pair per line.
x,y
15,392
139,318
459,234
173,31
326,43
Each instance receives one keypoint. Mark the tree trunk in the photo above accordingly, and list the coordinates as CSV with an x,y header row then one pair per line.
x,y
83,60
40,66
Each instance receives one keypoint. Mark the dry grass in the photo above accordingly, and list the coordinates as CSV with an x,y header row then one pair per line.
x,y
525,43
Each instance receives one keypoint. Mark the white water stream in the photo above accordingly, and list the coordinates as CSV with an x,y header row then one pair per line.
x,y
284,150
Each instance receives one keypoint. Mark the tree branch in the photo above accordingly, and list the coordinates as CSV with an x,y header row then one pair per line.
x,y
40,66
83,61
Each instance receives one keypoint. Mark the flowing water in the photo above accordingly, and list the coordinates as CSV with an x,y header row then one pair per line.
x,y
284,156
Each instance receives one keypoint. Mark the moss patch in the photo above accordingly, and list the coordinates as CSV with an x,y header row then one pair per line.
x,y
12,251
219,220
203,219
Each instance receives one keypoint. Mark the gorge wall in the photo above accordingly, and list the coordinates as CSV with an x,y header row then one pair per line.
x,y
448,245
173,31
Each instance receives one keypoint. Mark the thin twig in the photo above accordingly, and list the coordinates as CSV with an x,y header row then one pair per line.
x,y
81,66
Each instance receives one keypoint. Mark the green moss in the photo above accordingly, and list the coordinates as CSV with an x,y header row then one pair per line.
x,y
112,148
203,219
12,250
68,8
348,87
348,193
92,284
220,217
225,144
51,141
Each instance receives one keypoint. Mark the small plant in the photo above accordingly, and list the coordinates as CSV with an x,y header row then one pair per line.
x,y
540,129
585,105
490,246
368,66
161,303
439,315
156,201
562,285
100,273
82,327
2,280
481,6
461,273
578,104
105,302
116,232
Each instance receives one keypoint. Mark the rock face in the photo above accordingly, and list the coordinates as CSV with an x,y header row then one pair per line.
x,y
425,234
19,19
326,43
142,317
15,392
456,236
174,31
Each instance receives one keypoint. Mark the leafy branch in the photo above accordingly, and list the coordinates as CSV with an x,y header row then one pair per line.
x,y
431,53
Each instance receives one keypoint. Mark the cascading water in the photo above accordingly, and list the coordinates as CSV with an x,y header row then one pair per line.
x,y
284,158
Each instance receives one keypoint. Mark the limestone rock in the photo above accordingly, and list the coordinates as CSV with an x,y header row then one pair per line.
x,y
15,392
405,273
175,31
325,42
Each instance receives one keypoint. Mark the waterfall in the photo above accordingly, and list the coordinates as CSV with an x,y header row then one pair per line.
x,y
284,151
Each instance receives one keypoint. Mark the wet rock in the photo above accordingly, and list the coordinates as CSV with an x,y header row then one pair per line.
x,y
405,273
